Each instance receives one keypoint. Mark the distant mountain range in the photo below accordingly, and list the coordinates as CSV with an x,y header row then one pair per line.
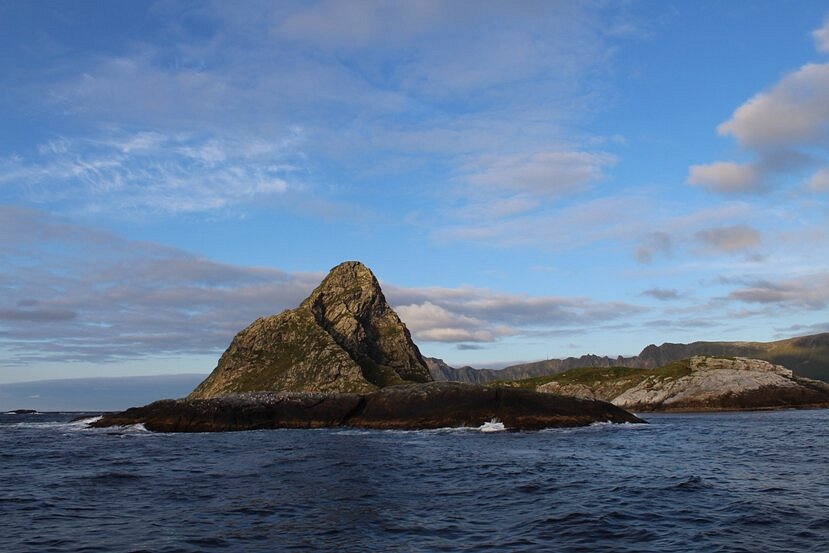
x,y
806,355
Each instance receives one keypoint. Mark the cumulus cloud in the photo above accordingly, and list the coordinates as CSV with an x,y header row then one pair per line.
x,y
468,314
808,292
786,128
434,323
821,37
729,239
725,176
795,111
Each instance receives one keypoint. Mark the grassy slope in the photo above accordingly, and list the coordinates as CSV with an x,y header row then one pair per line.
x,y
806,355
593,377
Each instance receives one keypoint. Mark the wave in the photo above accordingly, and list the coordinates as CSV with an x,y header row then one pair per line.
x,y
494,425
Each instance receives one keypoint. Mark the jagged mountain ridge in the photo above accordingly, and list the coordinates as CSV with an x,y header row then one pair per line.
x,y
343,338
807,356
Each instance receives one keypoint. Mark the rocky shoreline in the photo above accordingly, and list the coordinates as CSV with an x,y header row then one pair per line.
x,y
405,407
697,384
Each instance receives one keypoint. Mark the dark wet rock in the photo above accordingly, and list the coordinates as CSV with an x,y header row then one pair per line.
x,y
411,407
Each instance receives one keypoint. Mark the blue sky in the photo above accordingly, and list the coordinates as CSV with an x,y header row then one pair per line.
x,y
527,180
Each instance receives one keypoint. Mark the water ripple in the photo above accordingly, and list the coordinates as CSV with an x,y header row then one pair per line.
x,y
696,483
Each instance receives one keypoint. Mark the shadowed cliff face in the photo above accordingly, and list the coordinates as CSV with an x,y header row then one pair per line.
x,y
343,338
350,306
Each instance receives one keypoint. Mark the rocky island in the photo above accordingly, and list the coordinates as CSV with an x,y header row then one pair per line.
x,y
344,358
701,383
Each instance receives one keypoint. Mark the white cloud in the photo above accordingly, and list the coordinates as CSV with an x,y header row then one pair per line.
x,y
808,292
819,182
433,323
795,111
821,37
500,313
786,127
729,239
72,293
657,242
149,171
725,176
662,294
551,173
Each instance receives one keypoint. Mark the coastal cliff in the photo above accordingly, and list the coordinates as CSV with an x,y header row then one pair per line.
x,y
700,383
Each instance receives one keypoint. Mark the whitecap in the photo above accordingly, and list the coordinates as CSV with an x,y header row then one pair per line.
x,y
494,425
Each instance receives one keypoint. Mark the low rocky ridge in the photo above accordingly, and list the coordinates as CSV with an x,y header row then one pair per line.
x,y
412,406
344,358
343,338
808,356
697,384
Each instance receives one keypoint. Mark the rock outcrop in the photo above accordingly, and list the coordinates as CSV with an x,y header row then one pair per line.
x,y
807,355
697,384
413,406
343,338
344,358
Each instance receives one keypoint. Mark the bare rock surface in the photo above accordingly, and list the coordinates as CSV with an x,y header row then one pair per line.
x,y
343,338
705,383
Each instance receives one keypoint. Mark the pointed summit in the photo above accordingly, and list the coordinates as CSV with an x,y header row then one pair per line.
x,y
343,338
351,307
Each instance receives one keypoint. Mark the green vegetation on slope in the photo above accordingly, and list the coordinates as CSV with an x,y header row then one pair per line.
x,y
594,376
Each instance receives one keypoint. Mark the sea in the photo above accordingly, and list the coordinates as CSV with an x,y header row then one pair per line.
x,y
724,482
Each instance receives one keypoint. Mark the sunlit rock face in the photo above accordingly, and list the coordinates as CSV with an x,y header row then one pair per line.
x,y
343,338
698,384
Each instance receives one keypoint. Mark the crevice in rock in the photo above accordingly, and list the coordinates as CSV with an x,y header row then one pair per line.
x,y
358,410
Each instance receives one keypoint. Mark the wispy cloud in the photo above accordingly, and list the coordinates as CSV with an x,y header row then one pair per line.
x,y
150,171
491,93
662,294
73,293
553,173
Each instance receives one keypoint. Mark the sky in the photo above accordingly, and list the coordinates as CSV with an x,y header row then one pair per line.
x,y
526,179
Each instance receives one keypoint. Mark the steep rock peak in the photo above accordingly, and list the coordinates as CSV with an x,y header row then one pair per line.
x,y
343,338
351,307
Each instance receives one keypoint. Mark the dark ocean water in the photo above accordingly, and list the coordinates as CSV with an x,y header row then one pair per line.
x,y
753,482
